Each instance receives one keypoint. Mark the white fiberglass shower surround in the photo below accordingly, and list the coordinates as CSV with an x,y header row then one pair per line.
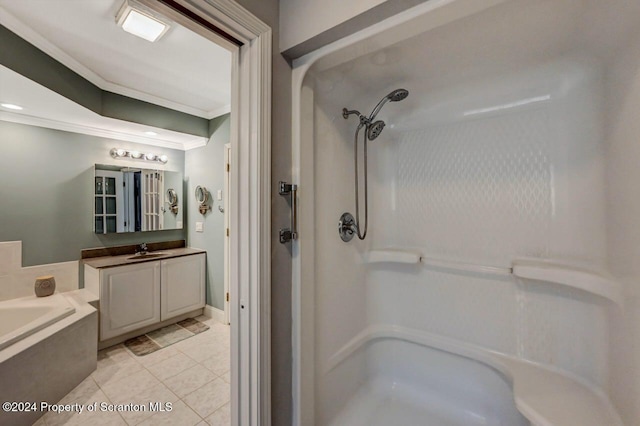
x,y
492,270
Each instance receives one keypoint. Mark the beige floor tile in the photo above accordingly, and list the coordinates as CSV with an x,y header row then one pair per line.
x,y
189,380
226,377
209,397
114,353
220,417
81,393
140,388
40,422
219,363
85,417
180,415
110,370
160,394
171,366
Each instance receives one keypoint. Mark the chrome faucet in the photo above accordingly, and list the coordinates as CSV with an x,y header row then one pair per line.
x,y
142,249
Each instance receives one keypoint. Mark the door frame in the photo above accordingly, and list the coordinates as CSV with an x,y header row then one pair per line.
x,y
250,197
227,239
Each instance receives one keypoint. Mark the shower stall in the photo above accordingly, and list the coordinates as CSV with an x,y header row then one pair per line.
x,y
496,282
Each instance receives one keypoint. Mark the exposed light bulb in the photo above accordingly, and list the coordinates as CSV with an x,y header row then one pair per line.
x,y
135,154
150,156
163,158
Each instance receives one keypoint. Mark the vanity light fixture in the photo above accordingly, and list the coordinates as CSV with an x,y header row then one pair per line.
x,y
12,106
137,155
136,20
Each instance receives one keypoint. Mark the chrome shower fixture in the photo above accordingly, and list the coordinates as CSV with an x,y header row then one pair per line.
x,y
348,226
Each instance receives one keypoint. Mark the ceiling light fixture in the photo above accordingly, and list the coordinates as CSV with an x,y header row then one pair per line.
x,y
12,106
141,23
137,155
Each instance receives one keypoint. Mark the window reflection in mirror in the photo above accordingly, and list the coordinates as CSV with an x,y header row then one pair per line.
x,y
135,199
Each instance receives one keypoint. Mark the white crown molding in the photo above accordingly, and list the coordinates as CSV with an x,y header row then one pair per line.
x,y
33,37
225,109
101,132
187,146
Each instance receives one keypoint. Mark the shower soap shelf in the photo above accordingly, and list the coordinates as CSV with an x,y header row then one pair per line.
x,y
393,255
595,282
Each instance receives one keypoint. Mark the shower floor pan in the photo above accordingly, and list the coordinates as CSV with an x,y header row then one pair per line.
x,y
405,383
383,403
390,375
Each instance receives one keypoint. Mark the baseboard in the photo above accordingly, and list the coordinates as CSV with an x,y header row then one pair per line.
x,y
214,313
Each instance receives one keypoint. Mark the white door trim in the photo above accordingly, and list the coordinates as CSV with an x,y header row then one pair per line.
x,y
227,238
250,199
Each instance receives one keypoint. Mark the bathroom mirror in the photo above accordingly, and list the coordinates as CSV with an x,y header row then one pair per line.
x,y
133,199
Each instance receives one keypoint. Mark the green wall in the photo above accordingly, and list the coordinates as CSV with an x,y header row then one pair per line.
x,y
47,192
205,167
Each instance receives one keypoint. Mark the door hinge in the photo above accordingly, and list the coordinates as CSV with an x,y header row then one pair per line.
x,y
227,166
227,232
227,296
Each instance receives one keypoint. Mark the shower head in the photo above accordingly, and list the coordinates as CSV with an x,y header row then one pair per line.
x,y
374,129
395,96
398,95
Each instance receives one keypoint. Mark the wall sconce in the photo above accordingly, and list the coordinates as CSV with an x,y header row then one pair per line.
x,y
137,155
202,197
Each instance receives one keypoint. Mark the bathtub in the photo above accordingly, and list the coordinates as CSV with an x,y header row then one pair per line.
x,y
22,317
47,347
515,142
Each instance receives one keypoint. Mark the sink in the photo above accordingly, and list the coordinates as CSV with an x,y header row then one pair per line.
x,y
150,255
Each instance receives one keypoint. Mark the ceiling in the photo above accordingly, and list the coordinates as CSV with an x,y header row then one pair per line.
x,y
182,71
45,108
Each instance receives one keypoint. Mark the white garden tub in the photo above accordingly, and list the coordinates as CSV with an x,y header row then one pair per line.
x,y
22,317
48,346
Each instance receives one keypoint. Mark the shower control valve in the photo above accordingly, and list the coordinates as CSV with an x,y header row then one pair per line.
x,y
347,227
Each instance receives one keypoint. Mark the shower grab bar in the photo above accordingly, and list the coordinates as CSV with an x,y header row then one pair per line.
x,y
288,234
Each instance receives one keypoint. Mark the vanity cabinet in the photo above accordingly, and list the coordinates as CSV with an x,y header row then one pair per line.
x,y
183,285
139,295
129,298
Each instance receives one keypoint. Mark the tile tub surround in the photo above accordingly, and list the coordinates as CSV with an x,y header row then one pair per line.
x,y
17,281
192,374
49,363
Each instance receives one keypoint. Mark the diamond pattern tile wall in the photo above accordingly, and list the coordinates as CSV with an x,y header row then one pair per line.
x,y
477,190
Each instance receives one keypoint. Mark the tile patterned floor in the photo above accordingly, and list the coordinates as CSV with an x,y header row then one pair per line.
x,y
192,374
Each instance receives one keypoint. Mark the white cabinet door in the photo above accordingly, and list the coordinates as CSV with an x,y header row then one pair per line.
x,y
129,298
183,285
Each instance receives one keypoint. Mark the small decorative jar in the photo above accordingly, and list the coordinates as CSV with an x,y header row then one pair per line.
x,y
45,285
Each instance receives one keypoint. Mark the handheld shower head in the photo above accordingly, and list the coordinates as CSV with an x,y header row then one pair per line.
x,y
395,96
374,129
398,95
